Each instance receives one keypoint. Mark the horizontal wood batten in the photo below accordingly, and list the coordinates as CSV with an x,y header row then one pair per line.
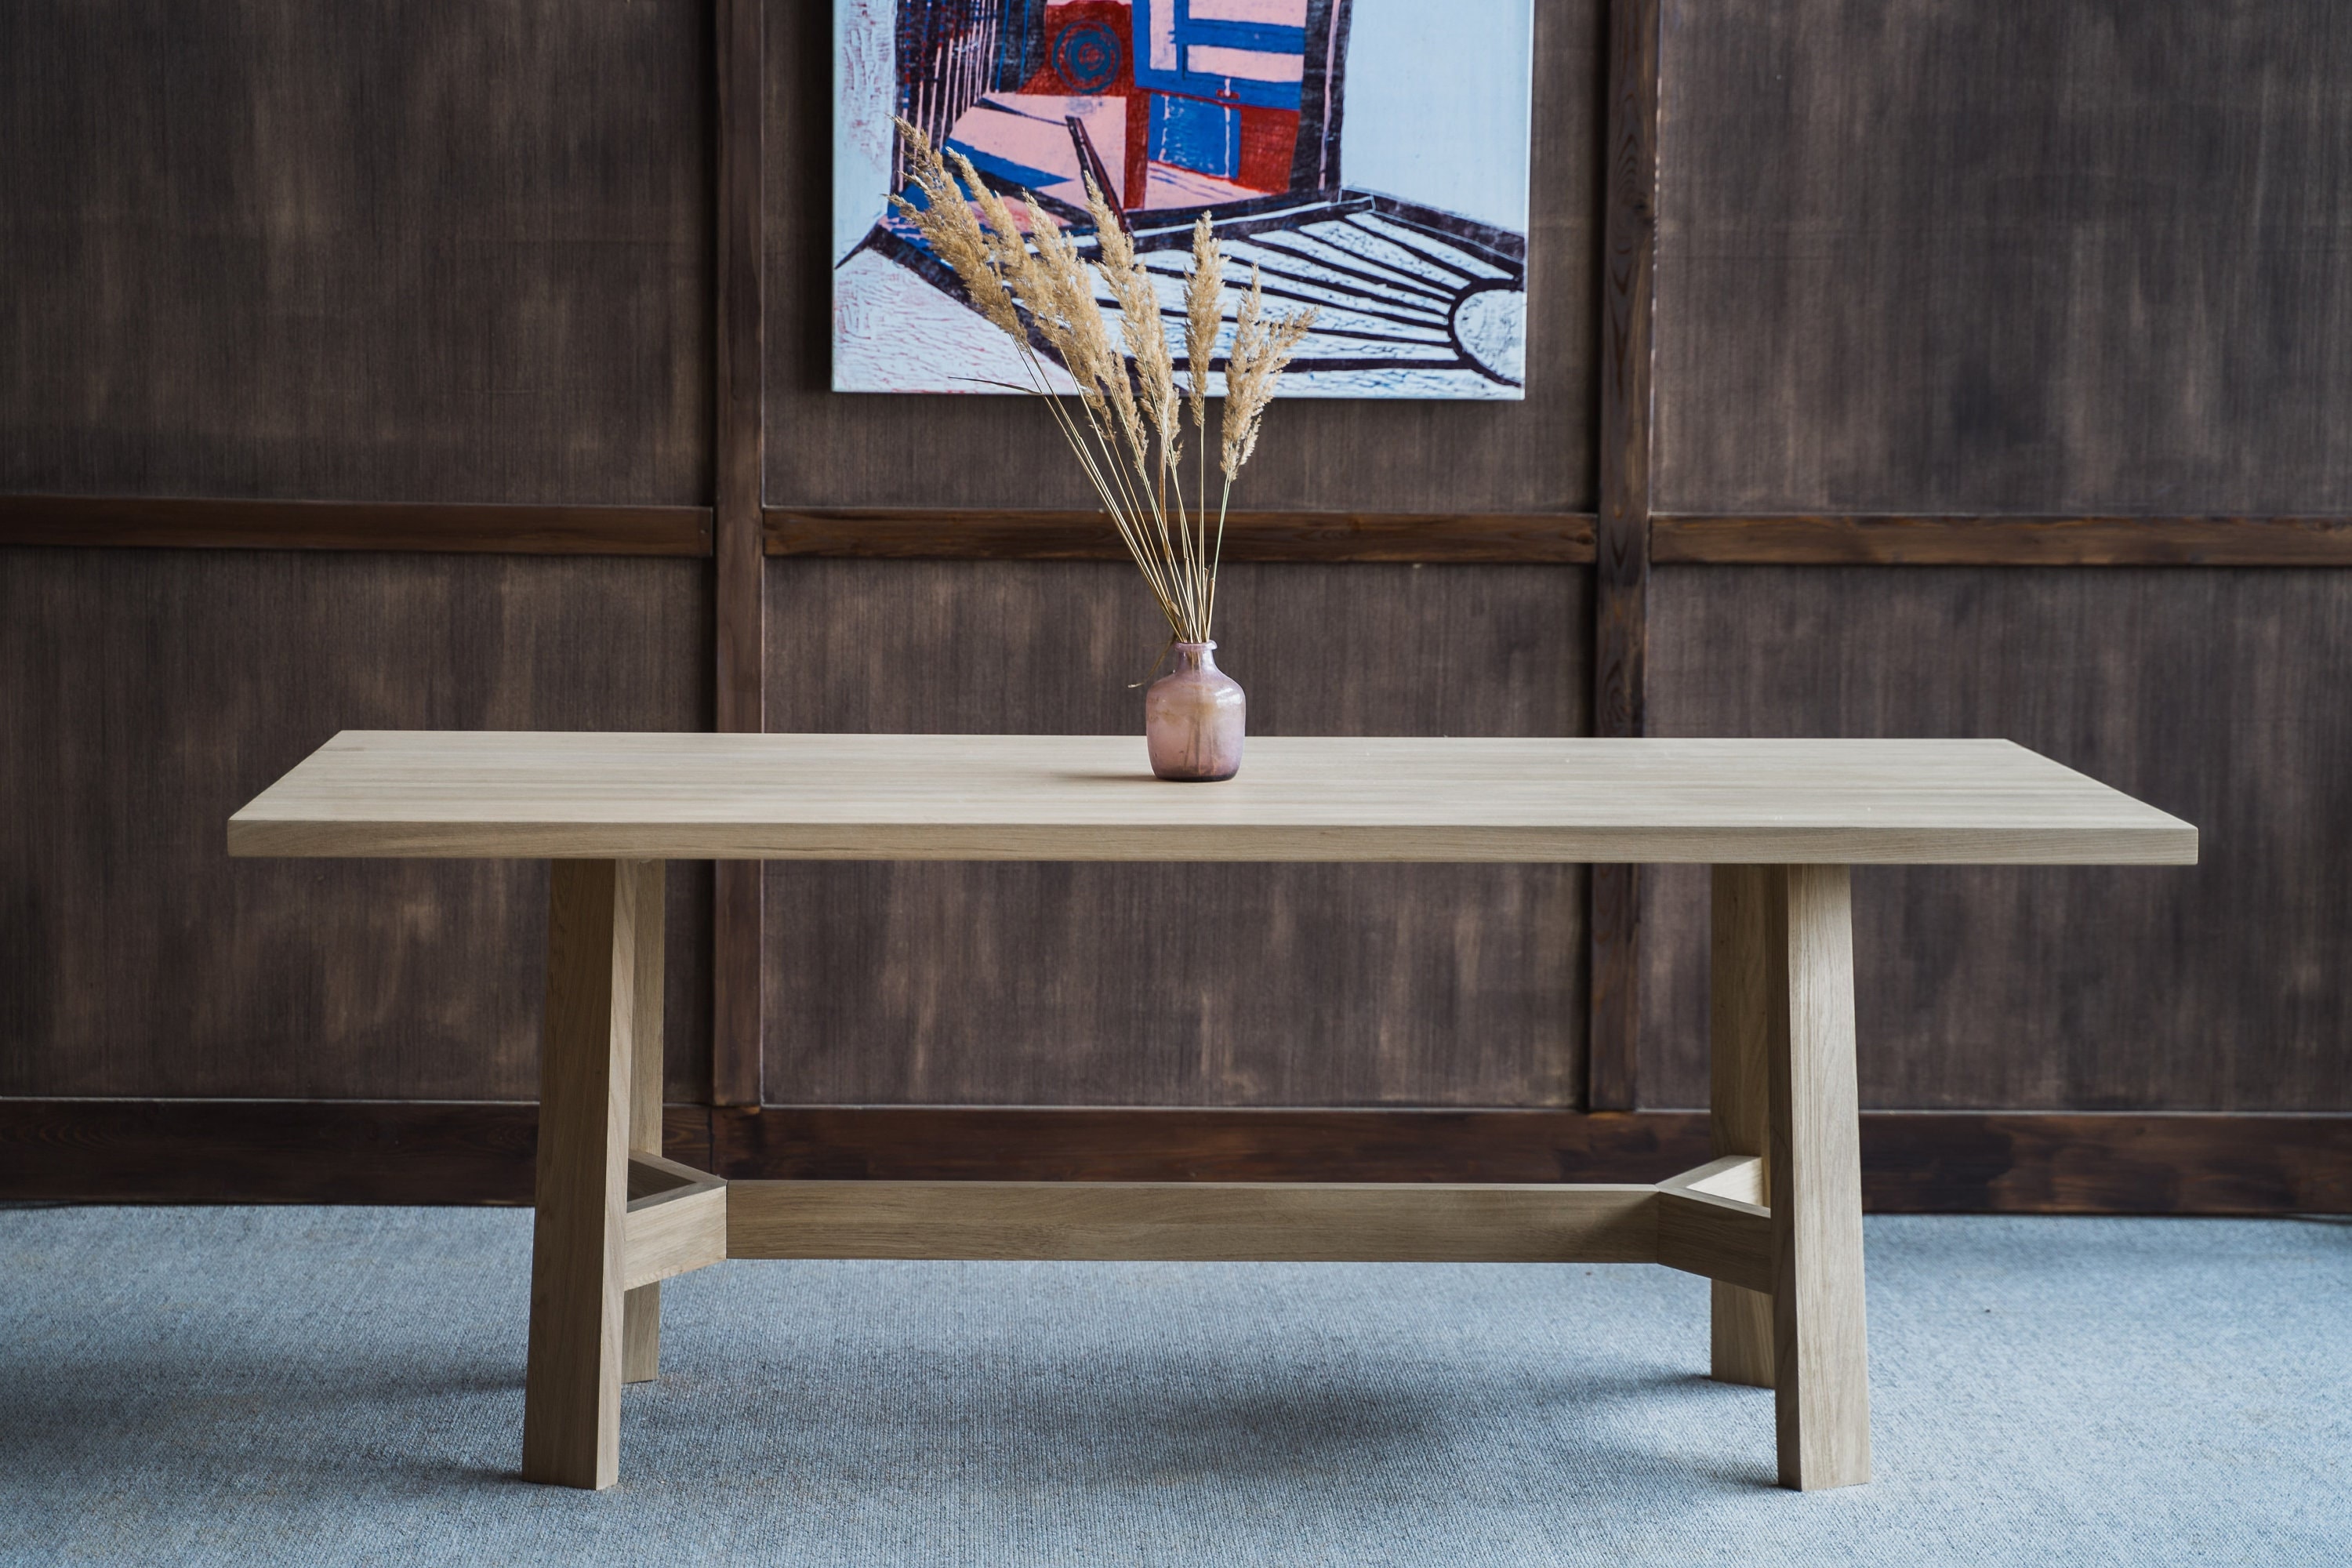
x,y
208,523
1538,538
1555,538
1894,540
276,1150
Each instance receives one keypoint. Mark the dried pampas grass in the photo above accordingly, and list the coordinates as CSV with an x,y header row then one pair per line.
x,y
1128,430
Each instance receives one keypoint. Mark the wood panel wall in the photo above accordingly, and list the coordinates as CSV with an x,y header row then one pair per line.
x,y
2052,256
1197,986
149,693
377,252
374,251
1960,369
2208,693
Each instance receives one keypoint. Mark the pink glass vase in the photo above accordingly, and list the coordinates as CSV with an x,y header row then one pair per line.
x,y
1192,719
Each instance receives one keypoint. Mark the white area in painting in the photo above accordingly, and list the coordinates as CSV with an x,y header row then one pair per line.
x,y
1244,64
865,85
1437,105
1266,13
1163,37
892,332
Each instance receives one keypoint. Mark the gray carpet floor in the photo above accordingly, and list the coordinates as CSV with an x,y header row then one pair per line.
x,y
324,1385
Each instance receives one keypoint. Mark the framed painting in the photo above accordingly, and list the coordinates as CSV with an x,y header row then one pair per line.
x,y
1366,157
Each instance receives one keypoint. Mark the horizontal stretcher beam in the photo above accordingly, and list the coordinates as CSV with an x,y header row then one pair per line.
x,y
1700,1232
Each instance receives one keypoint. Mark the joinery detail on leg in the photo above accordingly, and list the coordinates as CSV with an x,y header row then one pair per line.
x,y
1813,1171
1739,1114
677,1223
597,915
1710,1224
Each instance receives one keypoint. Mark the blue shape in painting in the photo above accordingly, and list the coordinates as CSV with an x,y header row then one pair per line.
x,y
1193,133
1241,62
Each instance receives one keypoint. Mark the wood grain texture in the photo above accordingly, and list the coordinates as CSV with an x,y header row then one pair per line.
x,y
150,691
870,450
374,251
919,533
1719,1239
2084,259
465,793
1862,541
1422,1221
1813,1171
442,1151
572,1384
1739,1097
2206,692
205,525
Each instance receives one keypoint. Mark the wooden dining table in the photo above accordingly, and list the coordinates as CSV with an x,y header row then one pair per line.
x,y
1774,1220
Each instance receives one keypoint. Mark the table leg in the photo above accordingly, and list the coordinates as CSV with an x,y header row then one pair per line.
x,y
1739,1102
641,1311
1822,1372
571,1390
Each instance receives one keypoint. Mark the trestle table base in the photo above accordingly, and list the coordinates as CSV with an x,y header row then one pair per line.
x,y
1775,1221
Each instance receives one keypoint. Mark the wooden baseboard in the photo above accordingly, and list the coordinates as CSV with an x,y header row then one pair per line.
x,y
440,1152
1029,1143
286,1150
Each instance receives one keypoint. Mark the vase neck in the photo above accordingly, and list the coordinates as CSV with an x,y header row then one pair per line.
x,y
1196,655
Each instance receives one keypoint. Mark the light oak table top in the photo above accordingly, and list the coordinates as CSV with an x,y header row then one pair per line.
x,y
539,795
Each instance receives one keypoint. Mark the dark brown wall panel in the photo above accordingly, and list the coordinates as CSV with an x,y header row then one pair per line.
x,y
2212,694
2043,256
372,250
1185,984
867,449
149,693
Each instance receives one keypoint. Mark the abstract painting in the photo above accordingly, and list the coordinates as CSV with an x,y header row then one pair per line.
x,y
1367,157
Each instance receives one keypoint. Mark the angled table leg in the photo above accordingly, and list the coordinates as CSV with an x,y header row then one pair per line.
x,y
571,1395
1820,1359
1783,1084
641,1311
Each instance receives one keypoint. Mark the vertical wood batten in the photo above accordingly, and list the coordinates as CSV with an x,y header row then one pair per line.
x,y
1621,542
738,440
